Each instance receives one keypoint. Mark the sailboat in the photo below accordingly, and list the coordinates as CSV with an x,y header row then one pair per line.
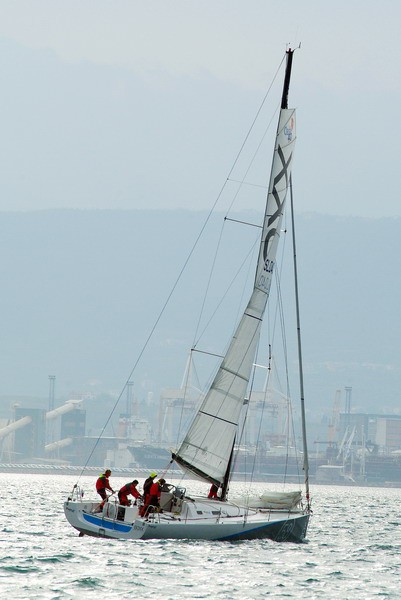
x,y
206,452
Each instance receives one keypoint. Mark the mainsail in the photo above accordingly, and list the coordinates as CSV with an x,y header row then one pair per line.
x,y
208,445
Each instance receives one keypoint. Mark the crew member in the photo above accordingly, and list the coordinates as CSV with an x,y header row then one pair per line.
x,y
129,489
103,484
146,491
148,483
213,491
154,494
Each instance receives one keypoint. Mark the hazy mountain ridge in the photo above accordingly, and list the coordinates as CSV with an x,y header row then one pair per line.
x,y
82,289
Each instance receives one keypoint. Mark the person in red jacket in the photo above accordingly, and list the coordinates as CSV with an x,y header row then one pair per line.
x,y
129,489
146,490
103,484
213,491
153,499
148,483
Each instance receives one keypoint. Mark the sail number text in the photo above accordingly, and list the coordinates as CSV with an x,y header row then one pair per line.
x,y
265,277
269,265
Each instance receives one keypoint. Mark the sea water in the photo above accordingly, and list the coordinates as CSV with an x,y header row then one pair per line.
x,y
353,550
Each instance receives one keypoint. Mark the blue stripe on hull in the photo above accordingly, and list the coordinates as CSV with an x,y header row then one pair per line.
x,y
105,524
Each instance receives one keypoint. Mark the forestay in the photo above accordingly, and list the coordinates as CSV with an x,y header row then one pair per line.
x,y
209,443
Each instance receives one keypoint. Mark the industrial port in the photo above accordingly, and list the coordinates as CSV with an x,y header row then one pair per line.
x,y
345,448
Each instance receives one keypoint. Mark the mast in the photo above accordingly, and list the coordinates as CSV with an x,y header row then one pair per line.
x,y
301,375
287,78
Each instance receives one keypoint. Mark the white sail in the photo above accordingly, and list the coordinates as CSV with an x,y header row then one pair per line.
x,y
208,445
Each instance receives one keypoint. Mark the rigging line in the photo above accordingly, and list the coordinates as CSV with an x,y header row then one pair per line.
x,y
284,342
279,316
242,222
241,183
208,284
239,188
291,425
283,336
277,275
256,116
208,353
248,277
290,420
258,185
237,157
185,384
261,417
280,310
242,431
187,394
227,290
200,396
300,361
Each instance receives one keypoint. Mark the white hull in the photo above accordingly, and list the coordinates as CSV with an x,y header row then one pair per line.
x,y
196,519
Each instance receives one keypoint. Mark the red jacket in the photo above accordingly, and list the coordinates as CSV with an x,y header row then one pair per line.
x,y
128,489
155,490
213,491
103,483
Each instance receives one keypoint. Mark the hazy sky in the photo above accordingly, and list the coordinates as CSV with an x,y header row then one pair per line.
x,y
128,104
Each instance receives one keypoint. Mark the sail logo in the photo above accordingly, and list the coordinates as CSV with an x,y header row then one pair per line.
x,y
279,196
288,130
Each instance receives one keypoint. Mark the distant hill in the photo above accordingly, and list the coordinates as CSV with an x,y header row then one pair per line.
x,y
82,290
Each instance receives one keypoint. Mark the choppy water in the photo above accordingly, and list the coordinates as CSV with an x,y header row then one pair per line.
x,y
353,551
